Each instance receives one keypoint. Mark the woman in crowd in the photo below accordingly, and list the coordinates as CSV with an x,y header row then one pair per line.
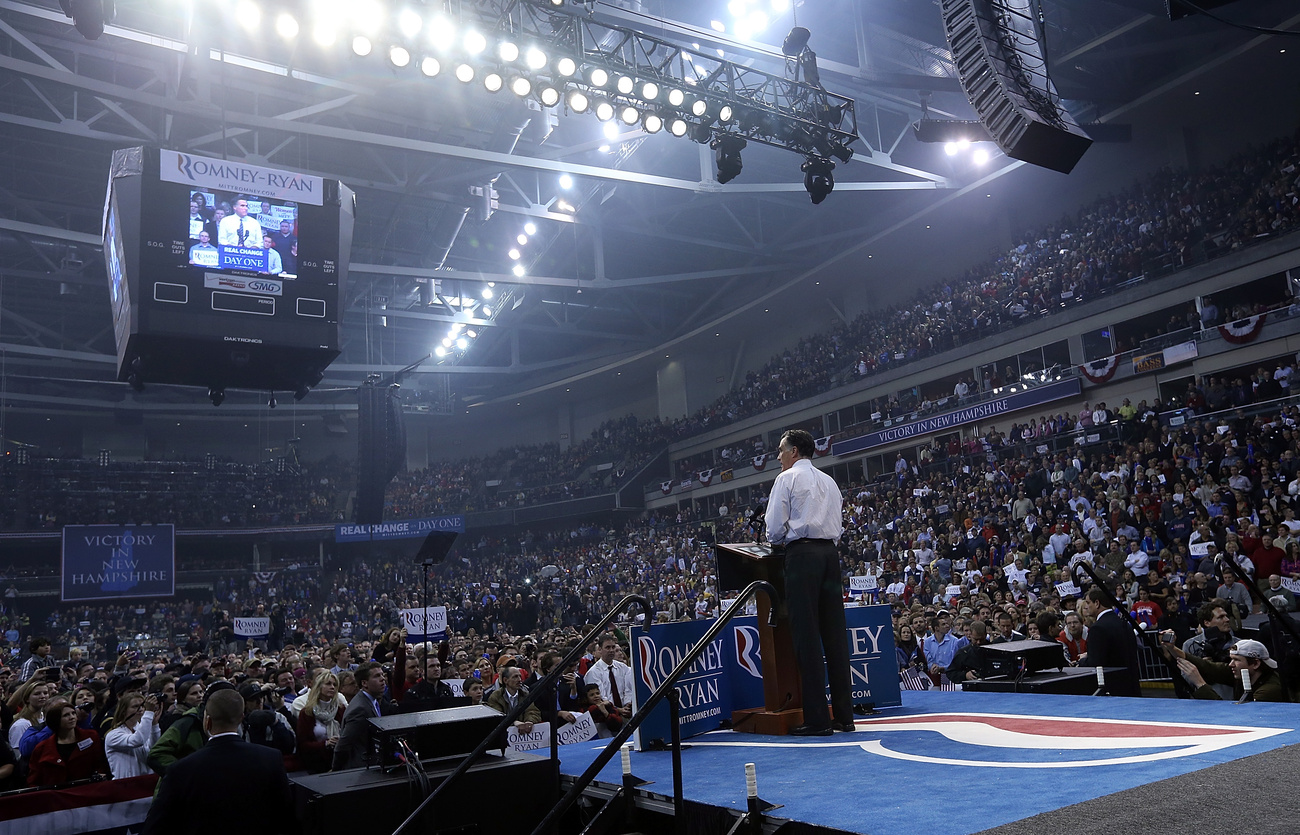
x,y
908,649
29,701
134,732
319,722
72,753
188,695
386,647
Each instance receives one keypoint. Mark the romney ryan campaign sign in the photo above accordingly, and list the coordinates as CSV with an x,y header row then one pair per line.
x,y
103,562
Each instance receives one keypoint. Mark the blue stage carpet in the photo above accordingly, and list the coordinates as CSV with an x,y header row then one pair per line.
x,y
963,762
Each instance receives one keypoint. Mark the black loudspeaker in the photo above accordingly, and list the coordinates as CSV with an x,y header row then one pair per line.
x,y
434,734
1008,658
1000,64
381,448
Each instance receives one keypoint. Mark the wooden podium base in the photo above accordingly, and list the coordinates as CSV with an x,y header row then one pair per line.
x,y
761,721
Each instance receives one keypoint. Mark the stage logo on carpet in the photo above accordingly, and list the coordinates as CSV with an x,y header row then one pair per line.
x,y
1010,741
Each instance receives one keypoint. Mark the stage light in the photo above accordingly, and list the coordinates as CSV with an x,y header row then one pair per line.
x,y
217,395
649,91
514,254
950,130
725,113
699,107
487,311
399,56
818,179
446,342
522,239
566,182
530,228
462,343
717,26
841,152
361,45
472,334
409,22
465,73
566,67
521,86
549,96
487,293
518,270
624,85
301,391
557,3
950,148
676,97
610,129
324,34
492,81
630,115
578,101
727,150
652,123
604,111
598,77
440,351
286,26
678,127
981,156
441,33
248,13
271,401
366,15
508,51
475,43
535,59
430,66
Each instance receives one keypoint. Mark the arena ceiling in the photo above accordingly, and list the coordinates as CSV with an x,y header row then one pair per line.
x,y
654,258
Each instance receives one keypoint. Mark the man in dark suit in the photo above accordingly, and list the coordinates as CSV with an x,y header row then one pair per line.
x,y
227,769
1111,643
354,738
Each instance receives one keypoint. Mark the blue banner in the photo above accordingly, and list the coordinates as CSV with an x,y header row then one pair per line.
x,y
242,258
1029,398
703,692
103,562
398,530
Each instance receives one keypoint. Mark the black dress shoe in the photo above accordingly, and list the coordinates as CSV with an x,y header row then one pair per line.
x,y
843,727
809,730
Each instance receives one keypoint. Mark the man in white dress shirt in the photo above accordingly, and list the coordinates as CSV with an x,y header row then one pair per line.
x,y
612,676
239,229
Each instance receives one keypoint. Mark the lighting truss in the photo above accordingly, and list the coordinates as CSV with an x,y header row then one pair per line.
x,y
716,96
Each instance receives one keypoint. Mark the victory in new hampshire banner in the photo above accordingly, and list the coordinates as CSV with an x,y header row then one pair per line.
x,y
102,562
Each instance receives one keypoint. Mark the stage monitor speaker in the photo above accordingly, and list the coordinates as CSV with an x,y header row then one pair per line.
x,y
1008,658
434,734
1000,64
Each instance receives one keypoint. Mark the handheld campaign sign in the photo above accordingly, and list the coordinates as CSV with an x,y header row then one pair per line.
x,y
418,630
252,627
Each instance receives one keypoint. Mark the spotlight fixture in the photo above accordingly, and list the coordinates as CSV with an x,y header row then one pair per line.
x,y
725,113
566,67
535,59
430,66
475,42
624,84
699,107
604,111
361,45
727,148
518,270
508,51
492,81
818,179
217,394
271,401
399,56
578,101
549,96
409,22
950,130
521,86
652,123
302,391
676,97
649,91
88,16
678,127
630,115
286,26
598,77
465,73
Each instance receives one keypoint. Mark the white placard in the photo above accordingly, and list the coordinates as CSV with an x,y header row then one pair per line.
x,y
861,585
952,591
538,737
252,627
1068,589
413,620
1290,585
583,729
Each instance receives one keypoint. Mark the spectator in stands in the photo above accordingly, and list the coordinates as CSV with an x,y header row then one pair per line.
x,y
429,692
133,733
38,660
1280,596
320,722
612,676
1245,655
189,694
29,700
941,646
608,718
1234,593
969,663
72,753
473,689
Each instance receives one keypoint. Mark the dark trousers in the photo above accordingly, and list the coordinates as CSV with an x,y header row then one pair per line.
x,y
815,601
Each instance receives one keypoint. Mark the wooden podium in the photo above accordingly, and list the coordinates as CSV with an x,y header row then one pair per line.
x,y
739,564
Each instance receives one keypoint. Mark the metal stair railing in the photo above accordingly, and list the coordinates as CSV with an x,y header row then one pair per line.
x,y
534,693
667,686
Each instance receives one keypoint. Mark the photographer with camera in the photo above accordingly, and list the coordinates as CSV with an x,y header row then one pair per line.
x,y
1244,656
263,723
1213,640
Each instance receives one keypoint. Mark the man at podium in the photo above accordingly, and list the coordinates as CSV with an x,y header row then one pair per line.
x,y
804,516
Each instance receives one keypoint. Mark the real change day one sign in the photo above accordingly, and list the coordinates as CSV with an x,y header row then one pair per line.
x,y
402,529
103,562
417,630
